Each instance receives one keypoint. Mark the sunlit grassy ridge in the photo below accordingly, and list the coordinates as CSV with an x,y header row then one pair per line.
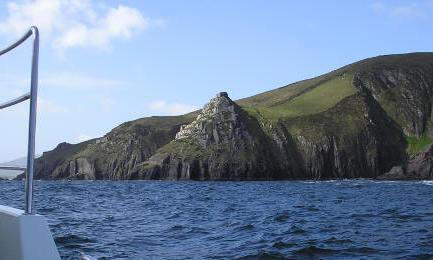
x,y
321,98
282,94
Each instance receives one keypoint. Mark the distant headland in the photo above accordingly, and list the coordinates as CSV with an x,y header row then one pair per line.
x,y
370,119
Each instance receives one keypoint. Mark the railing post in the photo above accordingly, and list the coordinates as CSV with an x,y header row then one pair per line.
x,y
32,122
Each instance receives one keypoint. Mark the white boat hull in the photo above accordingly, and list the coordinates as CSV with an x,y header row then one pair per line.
x,y
25,237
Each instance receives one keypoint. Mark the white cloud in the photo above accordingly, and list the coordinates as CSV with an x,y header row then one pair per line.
x,y
170,108
74,23
120,22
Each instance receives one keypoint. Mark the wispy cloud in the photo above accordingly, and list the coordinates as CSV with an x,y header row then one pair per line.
x,y
79,81
46,106
407,10
75,23
168,108
64,79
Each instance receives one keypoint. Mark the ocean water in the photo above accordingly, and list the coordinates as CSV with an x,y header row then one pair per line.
x,y
227,220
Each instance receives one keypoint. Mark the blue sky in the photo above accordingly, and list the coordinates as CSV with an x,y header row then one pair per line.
x,y
106,62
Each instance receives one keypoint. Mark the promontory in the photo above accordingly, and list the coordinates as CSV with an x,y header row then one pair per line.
x,y
370,119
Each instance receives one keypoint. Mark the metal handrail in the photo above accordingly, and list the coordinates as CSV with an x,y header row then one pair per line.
x,y
17,43
15,101
33,95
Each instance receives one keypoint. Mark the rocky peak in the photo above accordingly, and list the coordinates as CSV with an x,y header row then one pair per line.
x,y
218,123
223,94
62,146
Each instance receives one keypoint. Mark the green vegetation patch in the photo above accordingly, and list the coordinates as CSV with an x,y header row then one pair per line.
x,y
275,96
319,99
188,148
415,145
344,119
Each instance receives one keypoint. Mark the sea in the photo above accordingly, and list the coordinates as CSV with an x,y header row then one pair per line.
x,y
347,219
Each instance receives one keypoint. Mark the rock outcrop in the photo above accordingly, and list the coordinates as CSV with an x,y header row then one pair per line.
x,y
223,143
419,167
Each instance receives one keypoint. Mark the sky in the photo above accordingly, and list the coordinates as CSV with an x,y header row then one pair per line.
x,y
103,63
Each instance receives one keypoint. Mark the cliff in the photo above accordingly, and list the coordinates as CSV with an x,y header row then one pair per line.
x,y
112,156
359,121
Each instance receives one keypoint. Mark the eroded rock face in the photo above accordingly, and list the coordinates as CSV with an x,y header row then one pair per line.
x,y
218,123
406,94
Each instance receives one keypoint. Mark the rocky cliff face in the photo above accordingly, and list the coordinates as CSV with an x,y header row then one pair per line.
x,y
112,156
353,122
405,94
225,143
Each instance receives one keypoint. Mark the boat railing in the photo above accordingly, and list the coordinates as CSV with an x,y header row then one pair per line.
x,y
32,96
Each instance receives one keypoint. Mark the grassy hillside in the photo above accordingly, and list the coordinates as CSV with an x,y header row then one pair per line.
x,y
318,99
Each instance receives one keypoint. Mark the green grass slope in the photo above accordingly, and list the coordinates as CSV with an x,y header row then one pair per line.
x,y
318,99
319,94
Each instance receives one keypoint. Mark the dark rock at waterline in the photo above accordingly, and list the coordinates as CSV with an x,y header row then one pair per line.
x,y
419,167
396,173
421,164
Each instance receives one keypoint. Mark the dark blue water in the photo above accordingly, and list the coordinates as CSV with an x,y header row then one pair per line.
x,y
226,220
